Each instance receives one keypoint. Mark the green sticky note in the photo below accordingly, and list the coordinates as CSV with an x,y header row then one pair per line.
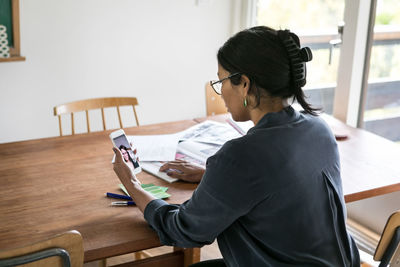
x,y
161,195
163,188
147,185
156,191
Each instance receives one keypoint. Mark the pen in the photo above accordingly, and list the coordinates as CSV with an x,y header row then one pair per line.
x,y
112,195
123,203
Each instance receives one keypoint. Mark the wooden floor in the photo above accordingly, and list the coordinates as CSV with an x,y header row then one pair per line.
x,y
207,253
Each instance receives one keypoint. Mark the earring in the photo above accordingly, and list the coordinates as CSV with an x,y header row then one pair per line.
x,y
245,102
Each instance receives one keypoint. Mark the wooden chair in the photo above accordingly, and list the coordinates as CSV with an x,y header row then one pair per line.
x,y
388,249
96,103
61,250
214,103
385,247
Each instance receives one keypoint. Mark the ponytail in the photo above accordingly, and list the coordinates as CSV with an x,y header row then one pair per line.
x,y
297,61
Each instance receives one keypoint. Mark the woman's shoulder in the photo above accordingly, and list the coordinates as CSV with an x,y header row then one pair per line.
x,y
235,144
320,125
234,150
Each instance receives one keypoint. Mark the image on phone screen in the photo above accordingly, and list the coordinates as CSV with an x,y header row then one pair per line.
x,y
121,142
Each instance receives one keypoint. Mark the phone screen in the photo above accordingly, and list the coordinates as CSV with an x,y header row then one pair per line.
x,y
122,143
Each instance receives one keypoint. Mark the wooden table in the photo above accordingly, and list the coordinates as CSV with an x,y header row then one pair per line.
x,y
48,186
370,164
52,185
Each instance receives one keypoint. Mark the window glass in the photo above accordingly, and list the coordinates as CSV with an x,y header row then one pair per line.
x,y
316,23
382,107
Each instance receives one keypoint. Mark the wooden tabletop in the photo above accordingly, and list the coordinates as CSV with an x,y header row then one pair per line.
x,y
370,164
52,185
48,186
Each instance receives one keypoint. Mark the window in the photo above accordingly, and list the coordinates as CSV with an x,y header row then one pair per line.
x,y
316,23
382,106
375,106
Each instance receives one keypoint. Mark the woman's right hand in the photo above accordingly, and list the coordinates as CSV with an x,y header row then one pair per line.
x,y
122,169
183,170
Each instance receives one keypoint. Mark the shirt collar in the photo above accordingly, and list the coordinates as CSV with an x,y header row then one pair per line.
x,y
285,116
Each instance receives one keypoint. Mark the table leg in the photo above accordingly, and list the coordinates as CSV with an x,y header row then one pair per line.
x,y
191,255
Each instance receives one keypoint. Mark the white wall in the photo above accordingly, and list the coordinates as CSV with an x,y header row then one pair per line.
x,y
161,51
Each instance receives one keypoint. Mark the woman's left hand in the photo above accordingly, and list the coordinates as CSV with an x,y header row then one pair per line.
x,y
183,170
122,169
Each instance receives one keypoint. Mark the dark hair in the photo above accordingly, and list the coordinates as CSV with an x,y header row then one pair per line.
x,y
127,150
123,147
272,60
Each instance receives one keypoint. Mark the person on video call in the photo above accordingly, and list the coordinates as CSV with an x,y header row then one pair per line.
x,y
274,196
127,157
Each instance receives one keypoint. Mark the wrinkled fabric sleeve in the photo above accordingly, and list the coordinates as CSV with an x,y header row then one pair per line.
x,y
221,197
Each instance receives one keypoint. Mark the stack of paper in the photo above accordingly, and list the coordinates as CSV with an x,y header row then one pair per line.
x,y
210,132
197,152
195,145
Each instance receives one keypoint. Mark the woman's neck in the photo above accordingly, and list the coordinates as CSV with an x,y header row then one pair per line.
x,y
267,105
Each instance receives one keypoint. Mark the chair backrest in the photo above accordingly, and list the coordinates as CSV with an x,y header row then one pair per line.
x,y
95,103
389,243
214,103
61,250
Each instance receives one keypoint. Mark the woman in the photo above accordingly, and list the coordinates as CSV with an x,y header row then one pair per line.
x,y
272,197
127,157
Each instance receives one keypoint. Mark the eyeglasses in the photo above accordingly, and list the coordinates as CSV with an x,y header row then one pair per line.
x,y
217,85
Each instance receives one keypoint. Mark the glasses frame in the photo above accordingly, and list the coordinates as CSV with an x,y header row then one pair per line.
x,y
219,91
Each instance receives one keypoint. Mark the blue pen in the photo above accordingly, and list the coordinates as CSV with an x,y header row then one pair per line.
x,y
123,203
112,195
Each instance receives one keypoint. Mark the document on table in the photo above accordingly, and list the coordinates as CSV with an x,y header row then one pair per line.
x,y
155,147
163,147
200,152
194,144
210,132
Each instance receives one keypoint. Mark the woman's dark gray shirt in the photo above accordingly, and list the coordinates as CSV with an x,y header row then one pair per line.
x,y
272,198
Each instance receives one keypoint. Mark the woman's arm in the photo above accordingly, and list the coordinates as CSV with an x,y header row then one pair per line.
x,y
207,213
223,195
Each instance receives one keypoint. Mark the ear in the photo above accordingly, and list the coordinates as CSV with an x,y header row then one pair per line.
x,y
245,84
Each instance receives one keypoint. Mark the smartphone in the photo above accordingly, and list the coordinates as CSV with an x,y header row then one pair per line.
x,y
119,140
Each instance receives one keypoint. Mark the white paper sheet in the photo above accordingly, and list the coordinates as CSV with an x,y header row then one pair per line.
x,y
155,147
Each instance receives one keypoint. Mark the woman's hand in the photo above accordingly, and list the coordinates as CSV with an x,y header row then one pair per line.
x,y
183,170
122,169
131,183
